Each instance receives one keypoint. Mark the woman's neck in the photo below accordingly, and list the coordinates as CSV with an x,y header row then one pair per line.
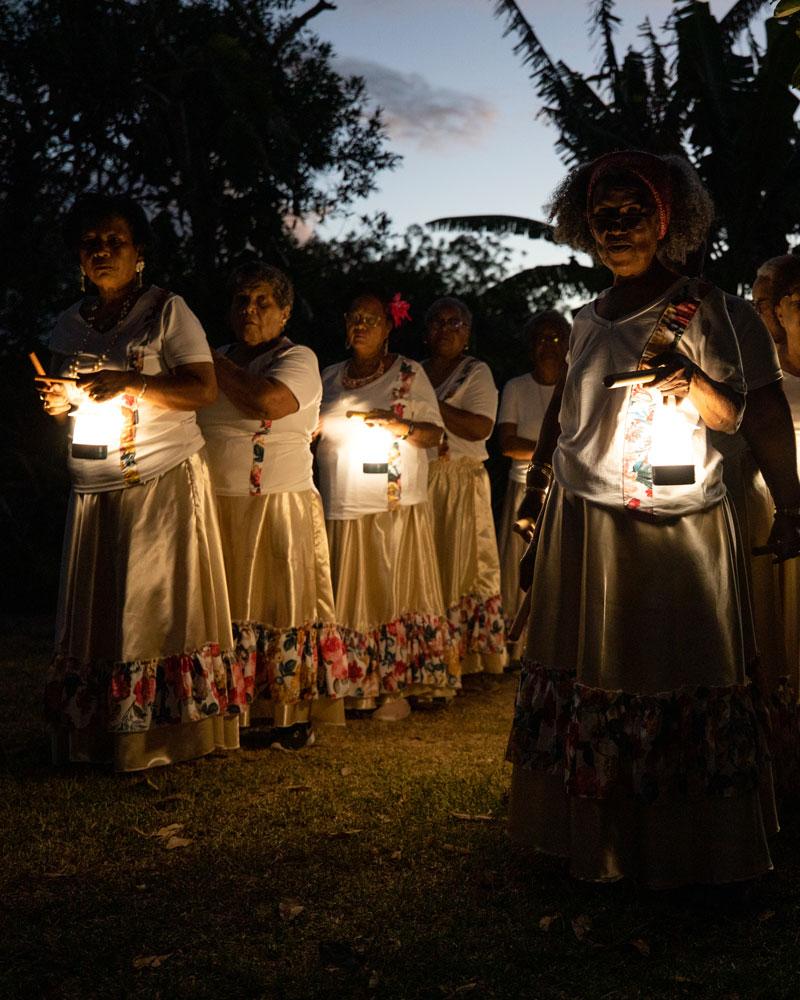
x,y
789,358
363,363
438,368
110,297
630,292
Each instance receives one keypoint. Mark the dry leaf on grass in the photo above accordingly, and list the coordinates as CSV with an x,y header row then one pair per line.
x,y
641,946
167,831
581,925
342,834
289,909
177,797
396,855
456,849
174,842
473,817
547,921
150,961
298,788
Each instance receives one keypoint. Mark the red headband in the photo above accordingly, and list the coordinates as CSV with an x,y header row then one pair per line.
x,y
651,170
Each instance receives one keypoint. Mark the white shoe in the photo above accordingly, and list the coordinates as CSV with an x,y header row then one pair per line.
x,y
392,710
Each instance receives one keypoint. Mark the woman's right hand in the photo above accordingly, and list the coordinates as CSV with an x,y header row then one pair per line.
x,y
54,397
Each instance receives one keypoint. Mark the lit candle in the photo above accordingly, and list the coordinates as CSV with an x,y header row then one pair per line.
x,y
370,445
672,455
97,427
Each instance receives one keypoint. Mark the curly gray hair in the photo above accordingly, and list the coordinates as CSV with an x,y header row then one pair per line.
x,y
256,272
691,214
446,302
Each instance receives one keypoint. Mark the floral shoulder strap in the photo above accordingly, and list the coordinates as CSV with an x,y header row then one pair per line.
x,y
467,367
637,471
400,393
260,436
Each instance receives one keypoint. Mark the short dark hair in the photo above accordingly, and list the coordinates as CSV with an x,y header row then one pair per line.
x,y
369,290
533,327
90,209
256,272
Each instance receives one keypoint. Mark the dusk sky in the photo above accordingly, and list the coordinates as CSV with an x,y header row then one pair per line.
x,y
458,102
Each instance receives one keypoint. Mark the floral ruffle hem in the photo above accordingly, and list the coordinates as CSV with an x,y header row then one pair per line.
x,y
286,665
137,696
478,624
690,741
412,650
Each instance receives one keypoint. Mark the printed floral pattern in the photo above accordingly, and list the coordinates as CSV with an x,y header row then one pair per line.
x,y
400,392
259,444
286,665
693,741
415,649
478,625
136,696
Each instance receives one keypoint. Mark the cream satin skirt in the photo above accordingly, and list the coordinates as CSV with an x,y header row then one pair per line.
x,y
512,549
289,652
143,632
637,746
389,603
459,496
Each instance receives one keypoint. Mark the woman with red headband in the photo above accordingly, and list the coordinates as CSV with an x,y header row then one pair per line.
x,y
379,416
636,746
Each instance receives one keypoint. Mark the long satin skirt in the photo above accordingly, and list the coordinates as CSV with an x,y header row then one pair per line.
x,y
389,603
143,633
511,548
460,499
637,744
289,652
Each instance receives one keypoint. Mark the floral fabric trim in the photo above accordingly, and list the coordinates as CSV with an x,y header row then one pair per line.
x,y
140,695
478,625
467,366
127,440
286,665
414,649
691,741
400,392
259,441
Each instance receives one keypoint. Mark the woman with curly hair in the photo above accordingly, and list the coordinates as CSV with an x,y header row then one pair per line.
x,y
636,745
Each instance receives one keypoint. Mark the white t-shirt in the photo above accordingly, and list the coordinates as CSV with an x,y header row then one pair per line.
x,y
158,335
524,402
346,444
249,456
760,364
469,387
588,459
791,386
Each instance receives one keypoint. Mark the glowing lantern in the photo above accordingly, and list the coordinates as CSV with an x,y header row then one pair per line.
x,y
370,445
97,428
672,455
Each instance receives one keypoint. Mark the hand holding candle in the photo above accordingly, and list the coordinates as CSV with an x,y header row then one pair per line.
x,y
387,419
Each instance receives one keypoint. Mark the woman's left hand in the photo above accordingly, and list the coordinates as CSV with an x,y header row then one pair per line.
x,y
103,385
677,378
388,419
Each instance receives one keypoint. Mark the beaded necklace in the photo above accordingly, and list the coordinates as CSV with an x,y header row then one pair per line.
x,y
355,383
115,330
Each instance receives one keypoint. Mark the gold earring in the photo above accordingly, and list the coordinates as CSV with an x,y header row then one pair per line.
x,y
83,280
139,269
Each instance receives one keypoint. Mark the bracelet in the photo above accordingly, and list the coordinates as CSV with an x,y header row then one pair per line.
x,y
539,476
411,428
143,390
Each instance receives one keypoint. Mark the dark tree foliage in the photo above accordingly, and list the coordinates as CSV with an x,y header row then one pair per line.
x,y
224,118
704,88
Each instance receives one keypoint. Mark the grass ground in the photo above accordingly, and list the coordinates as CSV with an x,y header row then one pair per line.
x,y
373,865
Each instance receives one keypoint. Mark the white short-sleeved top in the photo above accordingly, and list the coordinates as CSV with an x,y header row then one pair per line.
x,y
347,491
588,459
791,386
250,456
469,387
524,402
760,364
159,334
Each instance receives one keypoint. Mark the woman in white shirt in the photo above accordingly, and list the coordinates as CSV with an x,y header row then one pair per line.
x,y
459,492
258,433
143,636
379,416
522,407
636,744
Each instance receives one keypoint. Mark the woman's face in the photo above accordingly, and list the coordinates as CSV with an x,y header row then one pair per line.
x,y
367,326
625,224
255,316
762,300
788,313
548,353
448,333
108,254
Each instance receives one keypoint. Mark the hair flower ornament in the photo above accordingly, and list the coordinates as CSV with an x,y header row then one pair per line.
x,y
399,309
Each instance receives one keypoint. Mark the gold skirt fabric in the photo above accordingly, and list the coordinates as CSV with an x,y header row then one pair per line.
x,y
143,633
289,650
460,500
511,548
637,741
390,606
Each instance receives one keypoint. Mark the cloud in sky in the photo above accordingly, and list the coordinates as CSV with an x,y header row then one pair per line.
x,y
417,110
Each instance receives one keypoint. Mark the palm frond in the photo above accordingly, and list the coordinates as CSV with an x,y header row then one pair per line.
x,y
740,16
542,70
603,22
502,225
570,279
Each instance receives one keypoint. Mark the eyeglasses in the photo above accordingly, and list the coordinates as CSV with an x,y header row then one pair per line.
x,y
454,323
623,221
361,319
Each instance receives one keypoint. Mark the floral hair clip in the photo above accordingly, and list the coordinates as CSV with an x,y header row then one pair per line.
x,y
400,310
